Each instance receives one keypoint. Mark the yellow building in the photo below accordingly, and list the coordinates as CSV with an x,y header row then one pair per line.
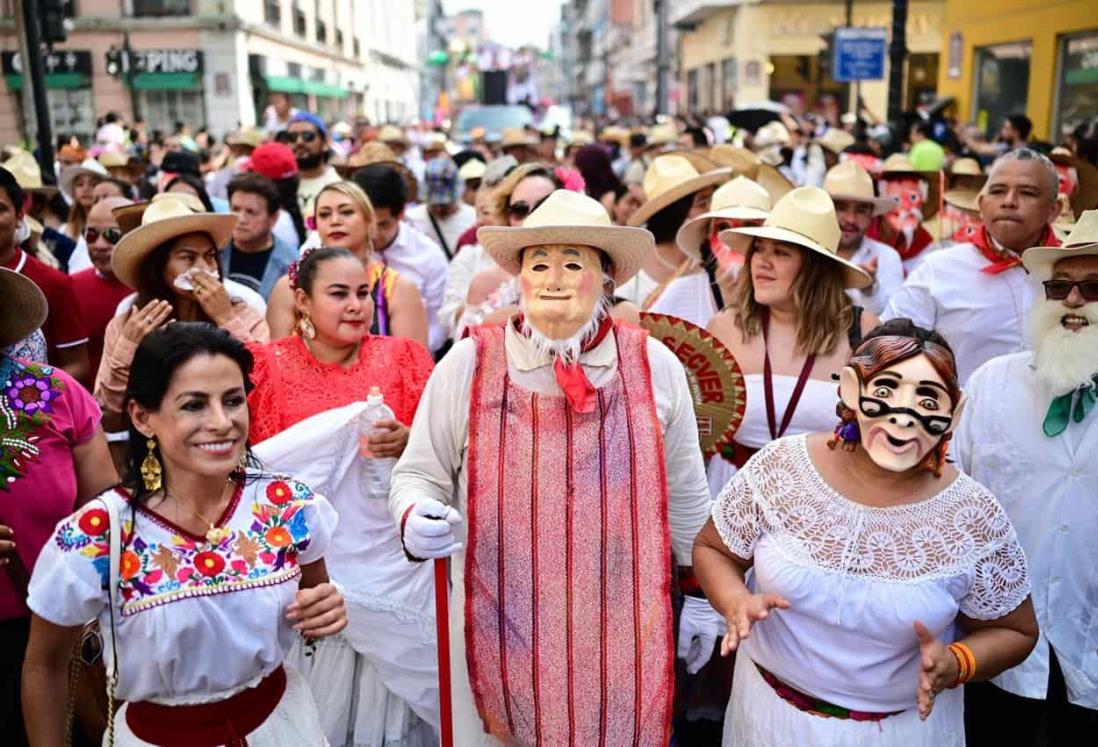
x,y
1034,56
736,52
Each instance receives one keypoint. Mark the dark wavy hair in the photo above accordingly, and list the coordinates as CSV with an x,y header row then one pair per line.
x,y
158,357
151,285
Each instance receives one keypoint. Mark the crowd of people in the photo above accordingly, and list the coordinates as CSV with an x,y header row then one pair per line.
x,y
212,530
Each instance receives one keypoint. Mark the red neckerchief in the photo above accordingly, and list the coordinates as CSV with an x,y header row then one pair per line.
x,y
1001,260
920,240
571,378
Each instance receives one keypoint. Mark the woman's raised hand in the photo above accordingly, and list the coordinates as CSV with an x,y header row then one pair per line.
x,y
746,610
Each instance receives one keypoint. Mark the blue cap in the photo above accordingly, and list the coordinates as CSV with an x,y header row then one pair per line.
x,y
441,177
312,119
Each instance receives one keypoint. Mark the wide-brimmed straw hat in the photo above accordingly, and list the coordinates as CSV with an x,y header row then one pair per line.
x,y
739,199
514,137
23,307
27,173
962,199
668,179
849,182
166,217
567,217
392,134
474,168
835,140
1082,241
899,165
805,217
249,137
88,166
740,160
662,134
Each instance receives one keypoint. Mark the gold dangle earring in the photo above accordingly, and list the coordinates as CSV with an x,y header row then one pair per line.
x,y
241,470
305,327
151,470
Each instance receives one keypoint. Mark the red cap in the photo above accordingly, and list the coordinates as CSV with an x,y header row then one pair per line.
x,y
273,160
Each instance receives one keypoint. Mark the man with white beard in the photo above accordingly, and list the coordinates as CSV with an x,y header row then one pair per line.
x,y
1030,434
975,294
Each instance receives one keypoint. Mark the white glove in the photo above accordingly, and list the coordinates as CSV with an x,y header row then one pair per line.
x,y
429,530
699,629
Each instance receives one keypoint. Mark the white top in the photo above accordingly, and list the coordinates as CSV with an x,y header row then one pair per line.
x,y
471,260
196,619
79,259
687,297
284,229
857,578
890,275
1049,488
637,288
452,227
308,189
419,259
980,315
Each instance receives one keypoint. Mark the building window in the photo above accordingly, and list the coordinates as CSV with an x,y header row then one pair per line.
x,y
272,12
728,84
321,31
161,7
162,109
1001,81
1076,83
299,20
339,39
692,91
356,47
293,69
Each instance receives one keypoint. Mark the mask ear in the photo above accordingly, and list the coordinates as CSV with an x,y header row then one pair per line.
x,y
957,413
850,387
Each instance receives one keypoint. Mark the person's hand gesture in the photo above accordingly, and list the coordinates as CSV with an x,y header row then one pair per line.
x,y
141,322
7,544
211,295
937,669
747,610
870,267
318,611
429,530
389,441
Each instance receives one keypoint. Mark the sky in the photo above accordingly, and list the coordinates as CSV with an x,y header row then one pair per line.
x,y
513,23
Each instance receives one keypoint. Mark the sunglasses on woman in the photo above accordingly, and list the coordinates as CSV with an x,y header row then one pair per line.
x,y
521,209
1058,290
286,138
110,235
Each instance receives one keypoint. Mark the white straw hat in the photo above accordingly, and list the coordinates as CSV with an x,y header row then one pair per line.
x,y
849,182
474,168
670,178
1082,241
567,217
88,166
805,217
836,140
739,199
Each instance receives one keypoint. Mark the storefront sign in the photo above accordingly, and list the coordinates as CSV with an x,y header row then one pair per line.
x,y
60,61
167,61
859,54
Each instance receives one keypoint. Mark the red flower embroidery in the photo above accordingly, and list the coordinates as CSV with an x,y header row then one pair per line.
x,y
278,537
130,565
209,563
279,493
94,523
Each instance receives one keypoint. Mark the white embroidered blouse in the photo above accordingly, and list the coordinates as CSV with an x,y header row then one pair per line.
x,y
858,577
197,619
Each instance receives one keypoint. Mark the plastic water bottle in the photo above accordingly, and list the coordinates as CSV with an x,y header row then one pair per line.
x,y
377,471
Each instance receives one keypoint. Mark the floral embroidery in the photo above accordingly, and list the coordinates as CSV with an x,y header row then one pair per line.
x,y
26,404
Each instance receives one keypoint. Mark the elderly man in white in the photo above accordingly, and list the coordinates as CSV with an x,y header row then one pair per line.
x,y
975,294
1031,435
569,446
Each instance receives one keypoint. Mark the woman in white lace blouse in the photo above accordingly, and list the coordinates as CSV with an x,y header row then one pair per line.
x,y
881,577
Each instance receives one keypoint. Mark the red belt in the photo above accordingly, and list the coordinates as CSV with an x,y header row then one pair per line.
x,y
741,453
224,722
816,706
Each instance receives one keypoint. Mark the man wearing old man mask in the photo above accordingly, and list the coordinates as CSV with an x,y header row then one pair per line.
x,y
556,460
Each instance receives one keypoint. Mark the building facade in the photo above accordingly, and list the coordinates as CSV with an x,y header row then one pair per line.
x,y
1028,56
214,63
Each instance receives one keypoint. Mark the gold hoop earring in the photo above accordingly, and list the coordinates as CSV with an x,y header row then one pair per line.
x,y
151,470
305,327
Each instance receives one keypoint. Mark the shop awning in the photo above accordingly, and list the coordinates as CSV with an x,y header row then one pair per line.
x,y
53,80
279,84
325,89
167,81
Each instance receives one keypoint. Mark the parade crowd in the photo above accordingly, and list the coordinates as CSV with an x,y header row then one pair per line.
x,y
274,404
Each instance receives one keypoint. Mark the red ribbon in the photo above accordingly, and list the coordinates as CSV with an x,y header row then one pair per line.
x,y
1001,260
571,377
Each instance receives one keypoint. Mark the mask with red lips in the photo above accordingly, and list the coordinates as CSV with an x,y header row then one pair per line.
x,y
911,193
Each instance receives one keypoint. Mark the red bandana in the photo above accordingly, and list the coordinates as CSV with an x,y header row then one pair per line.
x,y
570,376
1002,260
920,240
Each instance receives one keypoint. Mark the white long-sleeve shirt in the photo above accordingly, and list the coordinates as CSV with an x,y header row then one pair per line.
x,y
465,266
420,260
890,275
1049,489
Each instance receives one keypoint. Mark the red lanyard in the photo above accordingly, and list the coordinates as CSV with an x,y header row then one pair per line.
x,y
768,383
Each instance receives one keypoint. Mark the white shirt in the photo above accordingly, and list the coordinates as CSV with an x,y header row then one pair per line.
x,y
687,297
452,226
1049,488
890,275
637,288
466,265
420,260
284,229
980,315
308,189
80,259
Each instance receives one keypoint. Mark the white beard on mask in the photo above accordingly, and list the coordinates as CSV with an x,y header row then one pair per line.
x,y
569,348
1064,360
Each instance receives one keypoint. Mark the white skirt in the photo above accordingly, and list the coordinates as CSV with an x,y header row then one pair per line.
x,y
293,723
356,709
758,717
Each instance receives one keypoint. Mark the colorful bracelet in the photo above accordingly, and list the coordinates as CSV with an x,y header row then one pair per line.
x,y
966,662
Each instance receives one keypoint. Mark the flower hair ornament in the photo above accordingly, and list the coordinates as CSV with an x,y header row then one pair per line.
x,y
291,271
570,179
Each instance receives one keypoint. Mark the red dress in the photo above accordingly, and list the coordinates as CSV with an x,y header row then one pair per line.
x,y
291,385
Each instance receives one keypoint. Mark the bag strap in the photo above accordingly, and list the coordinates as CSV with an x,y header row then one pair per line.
x,y
441,238
113,590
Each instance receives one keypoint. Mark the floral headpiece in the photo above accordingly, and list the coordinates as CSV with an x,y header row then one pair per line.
x,y
292,270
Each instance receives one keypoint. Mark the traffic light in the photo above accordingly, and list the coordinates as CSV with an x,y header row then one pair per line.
x,y
52,15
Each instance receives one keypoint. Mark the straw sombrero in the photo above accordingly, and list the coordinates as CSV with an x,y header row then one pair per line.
x,y
835,140
805,217
849,182
88,166
1082,241
567,217
166,217
739,199
670,178
24,307
392,134
27,173
740,160
899,165
474,168
514,137
663,134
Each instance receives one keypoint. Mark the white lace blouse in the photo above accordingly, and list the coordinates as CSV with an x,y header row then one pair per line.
x,y
858,577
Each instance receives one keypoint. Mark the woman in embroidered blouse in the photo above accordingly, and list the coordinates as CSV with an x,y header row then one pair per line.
x,y
866,560
171,261
384,666
221,568
345,218
53,457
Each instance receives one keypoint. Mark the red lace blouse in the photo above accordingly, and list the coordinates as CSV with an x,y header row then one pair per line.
x,y
291,385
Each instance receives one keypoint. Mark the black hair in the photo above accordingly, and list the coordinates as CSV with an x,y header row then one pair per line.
x,y
125,187
308,266
923,127
666,223
287,193
9,184
150,279
697,137
194,183
256,184
1022,124
384,185
638,140
111,117
163,352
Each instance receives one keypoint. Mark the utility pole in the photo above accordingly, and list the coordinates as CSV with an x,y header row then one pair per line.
x,y
34,76
897,54
846,86
128,62
26,93
663,64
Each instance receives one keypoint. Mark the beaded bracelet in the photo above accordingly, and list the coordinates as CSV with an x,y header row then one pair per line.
x,y
966,662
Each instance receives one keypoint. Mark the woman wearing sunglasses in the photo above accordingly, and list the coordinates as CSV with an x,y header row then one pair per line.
x,y
884,578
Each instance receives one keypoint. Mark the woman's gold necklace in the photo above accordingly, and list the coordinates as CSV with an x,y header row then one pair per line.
x,y
215,535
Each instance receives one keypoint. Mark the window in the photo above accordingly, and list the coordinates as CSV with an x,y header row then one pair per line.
x,y
692,91
339,39
272,12
1002,82
162,109
161,7
299,20
728,84
356,47
1076,82
321,31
